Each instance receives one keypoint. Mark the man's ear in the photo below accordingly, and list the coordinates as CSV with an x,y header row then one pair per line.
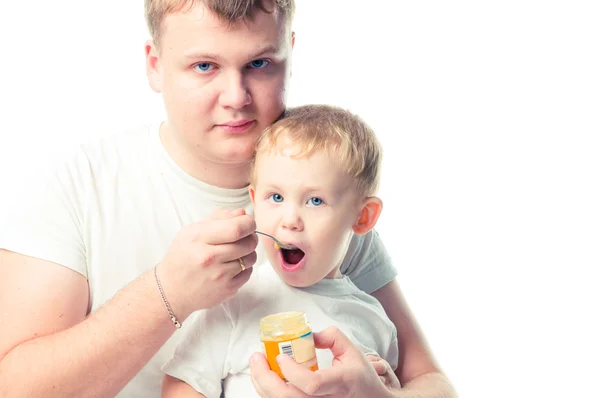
x,y
251,191
369,214
293,42
153,71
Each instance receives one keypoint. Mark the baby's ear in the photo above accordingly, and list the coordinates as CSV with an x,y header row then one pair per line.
x,y
251,192
369,214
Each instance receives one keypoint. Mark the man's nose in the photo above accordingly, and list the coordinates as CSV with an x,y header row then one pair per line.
x,y
234,93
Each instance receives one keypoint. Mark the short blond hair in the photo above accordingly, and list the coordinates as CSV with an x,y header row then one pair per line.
x,y
346,137
229,11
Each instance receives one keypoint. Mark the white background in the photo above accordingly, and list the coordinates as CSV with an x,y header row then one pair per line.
x,y
489,115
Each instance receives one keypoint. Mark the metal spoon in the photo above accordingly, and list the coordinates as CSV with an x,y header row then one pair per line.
x,y
278,243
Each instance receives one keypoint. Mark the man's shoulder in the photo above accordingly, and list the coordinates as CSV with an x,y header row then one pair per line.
x,y
122,155
110,153
368,263
126,143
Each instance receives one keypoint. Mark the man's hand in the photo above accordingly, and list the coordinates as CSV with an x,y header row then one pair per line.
x,y
351,374
201,268
385,371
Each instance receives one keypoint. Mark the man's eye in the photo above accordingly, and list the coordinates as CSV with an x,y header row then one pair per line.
x,y
259,64
204,66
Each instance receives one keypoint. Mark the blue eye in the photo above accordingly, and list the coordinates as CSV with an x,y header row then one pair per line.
x,y
204,66
316,201
259,63
277,198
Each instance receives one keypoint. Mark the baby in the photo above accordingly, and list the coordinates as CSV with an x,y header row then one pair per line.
x,y
314,177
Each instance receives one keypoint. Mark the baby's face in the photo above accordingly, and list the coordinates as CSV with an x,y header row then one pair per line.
x,y
308,202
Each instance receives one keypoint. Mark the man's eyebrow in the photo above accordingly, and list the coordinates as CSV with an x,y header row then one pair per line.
x,y
197,55
192,54
268,49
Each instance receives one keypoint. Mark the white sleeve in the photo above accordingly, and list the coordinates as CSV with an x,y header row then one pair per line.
x,y
46,221
201,357
368,263
392,355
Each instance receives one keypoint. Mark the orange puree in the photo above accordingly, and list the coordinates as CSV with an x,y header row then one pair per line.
x,y
288,333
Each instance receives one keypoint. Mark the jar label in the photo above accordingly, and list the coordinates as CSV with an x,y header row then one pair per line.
x,y
302,350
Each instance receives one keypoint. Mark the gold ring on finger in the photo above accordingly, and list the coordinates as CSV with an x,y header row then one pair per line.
x,y
242,265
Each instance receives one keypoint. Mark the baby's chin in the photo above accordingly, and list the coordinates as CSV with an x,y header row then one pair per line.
x,y
293,280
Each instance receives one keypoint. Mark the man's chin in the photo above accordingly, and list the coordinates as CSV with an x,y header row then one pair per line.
x,y
237,157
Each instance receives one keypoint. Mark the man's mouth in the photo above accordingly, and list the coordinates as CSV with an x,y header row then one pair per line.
x,y
237,126
237,123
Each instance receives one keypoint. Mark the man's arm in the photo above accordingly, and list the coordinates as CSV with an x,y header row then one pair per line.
x,y
48,348
429,385
418,373
175,388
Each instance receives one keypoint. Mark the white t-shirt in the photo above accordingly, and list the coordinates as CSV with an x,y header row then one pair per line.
x,y
217,343
111,211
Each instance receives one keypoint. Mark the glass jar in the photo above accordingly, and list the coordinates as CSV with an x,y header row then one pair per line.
x,y
288,333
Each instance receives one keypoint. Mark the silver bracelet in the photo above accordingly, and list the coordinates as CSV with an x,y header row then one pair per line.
x,y
164,299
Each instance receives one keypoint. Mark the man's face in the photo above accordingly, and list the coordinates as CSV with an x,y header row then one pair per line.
x,y
309,202
222,84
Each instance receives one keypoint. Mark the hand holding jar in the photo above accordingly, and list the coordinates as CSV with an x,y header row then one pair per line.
x,y
351,374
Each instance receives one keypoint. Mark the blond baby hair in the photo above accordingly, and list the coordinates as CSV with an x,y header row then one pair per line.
x,y
346,137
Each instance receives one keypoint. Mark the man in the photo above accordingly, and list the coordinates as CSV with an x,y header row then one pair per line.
x,y
78,271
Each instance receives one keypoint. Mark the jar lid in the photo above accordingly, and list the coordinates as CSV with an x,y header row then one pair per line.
x,y
283,321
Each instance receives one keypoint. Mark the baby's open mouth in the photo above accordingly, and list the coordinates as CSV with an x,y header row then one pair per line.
x,y
292,256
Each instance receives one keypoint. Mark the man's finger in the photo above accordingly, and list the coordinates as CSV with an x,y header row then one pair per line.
x,y
222,214
219,214
227,230
333,339
257,366
248,260
267,383
242,277
225,252
315,384
372,358
380,367
237,212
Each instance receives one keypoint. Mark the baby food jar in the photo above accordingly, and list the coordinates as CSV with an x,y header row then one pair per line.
x,y
288,333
